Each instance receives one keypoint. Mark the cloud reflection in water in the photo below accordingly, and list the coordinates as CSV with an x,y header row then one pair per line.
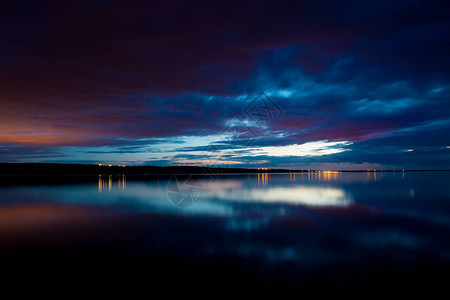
x,y
298,195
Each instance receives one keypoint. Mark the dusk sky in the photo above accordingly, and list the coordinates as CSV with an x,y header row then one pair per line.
x,y
338,84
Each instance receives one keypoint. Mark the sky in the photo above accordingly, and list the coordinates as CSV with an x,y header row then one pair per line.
x,y
279,84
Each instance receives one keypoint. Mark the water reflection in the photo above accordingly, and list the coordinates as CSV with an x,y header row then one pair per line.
x,y
263,178
105,182
310,219
297,195
323,188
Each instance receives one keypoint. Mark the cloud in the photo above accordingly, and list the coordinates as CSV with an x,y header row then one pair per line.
x,y
318,148
115,81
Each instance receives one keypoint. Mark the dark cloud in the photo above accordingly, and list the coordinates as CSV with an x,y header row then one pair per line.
x,y
126,75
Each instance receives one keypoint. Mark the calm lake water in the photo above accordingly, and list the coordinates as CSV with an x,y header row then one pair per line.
x,y
311,229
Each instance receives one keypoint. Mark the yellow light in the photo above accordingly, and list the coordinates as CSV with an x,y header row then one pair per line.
x,y
100,183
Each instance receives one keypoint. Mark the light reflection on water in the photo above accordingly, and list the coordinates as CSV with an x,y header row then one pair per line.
x,y
311,218
312,189
105,182
298,195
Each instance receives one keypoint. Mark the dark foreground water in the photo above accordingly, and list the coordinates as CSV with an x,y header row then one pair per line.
x,y
315,231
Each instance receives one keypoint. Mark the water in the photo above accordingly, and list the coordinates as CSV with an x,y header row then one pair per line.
x,y
310,229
